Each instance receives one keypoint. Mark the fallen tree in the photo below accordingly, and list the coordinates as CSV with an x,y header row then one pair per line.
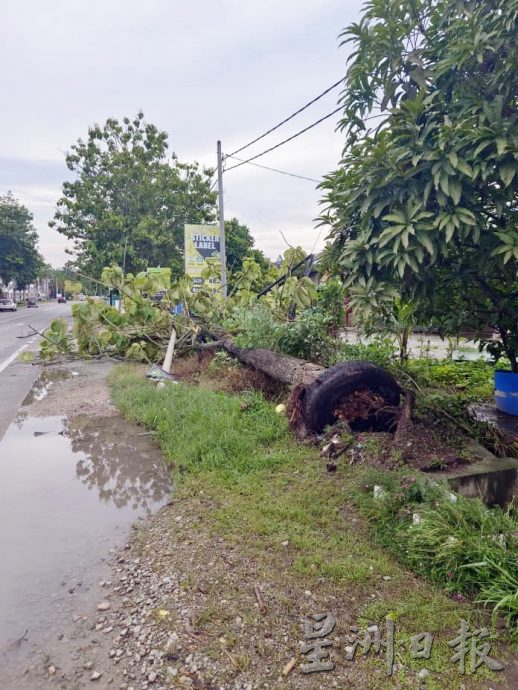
x,y
282,368
359,392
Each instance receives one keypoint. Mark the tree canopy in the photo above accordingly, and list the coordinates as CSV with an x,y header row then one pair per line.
x,y
240,245
238,242
19,256
424,205
129,200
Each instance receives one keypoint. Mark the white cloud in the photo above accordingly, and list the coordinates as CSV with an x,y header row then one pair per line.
x,y
200,70
41,200
32,195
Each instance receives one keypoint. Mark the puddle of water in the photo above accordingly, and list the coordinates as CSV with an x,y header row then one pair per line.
x,y
42,386
494,488
68,493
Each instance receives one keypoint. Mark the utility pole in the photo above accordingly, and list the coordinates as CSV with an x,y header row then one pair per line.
x,y
222,247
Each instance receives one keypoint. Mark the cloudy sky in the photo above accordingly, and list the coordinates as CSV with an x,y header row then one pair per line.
x,y
201,70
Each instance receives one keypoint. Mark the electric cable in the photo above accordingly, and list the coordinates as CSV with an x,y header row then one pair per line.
x,y
297,112
285,141
282,172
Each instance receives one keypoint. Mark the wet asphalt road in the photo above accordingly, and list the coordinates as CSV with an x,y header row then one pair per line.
x,y
17,377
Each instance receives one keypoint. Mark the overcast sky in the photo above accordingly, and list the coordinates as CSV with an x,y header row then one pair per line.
x,y
200,70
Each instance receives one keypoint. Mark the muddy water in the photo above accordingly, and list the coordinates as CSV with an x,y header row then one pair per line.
x,y
45,383
69,491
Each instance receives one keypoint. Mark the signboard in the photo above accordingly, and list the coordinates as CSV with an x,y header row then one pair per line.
x,y
202,245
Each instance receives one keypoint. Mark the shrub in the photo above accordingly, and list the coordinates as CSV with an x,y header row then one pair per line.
x,y
380,351
305,337
459,542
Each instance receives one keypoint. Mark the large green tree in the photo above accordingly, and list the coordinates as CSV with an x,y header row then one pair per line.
x,y
424,206
239,244
129,200
19,256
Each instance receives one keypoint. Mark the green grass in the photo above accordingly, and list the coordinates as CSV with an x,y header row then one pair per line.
x,y
469,381
458,542
267,487
250,435
271,497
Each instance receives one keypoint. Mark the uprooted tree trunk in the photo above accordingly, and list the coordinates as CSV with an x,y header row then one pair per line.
x,y
289,370
356,391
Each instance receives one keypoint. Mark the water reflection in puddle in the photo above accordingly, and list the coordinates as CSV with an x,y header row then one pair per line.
x,y
46,380
68,492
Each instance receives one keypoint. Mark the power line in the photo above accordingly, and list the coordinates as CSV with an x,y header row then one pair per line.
x,y
294,136
282,172
300,110
316,241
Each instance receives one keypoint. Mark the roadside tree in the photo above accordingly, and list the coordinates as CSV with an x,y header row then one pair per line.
x,y
129,200
19,256
240,245
424,206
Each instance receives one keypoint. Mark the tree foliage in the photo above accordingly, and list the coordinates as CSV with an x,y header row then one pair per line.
x,y
19,256
239,247
141,329
129,200
424,205
239,242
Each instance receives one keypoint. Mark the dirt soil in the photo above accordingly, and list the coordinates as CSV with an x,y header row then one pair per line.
x,y
185,608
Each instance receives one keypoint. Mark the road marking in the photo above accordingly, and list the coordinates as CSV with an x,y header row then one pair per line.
x,y
11,359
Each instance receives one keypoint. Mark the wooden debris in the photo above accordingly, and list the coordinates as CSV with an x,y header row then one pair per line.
x,y
262,606
289,667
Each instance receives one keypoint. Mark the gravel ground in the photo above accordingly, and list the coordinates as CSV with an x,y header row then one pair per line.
x,y
182,612
183,607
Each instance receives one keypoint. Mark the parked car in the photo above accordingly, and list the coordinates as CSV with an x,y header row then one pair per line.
x,y
32,302
7,305
62,300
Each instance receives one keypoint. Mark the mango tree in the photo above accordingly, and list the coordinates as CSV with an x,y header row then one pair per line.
x,y
424,205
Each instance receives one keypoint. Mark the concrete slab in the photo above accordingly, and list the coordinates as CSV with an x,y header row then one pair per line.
x,y
506,424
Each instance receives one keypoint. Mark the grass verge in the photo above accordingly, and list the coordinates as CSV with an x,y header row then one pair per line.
x,y
272,500
457,542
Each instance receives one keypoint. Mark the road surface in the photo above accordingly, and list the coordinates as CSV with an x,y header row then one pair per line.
x,y
16,377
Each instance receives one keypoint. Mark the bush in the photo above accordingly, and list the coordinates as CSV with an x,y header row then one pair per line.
x,y
253,326
470,380
305,337
380,350
459,542
331,296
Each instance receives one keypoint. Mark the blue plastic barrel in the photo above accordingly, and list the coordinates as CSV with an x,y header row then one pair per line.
x,y
506,392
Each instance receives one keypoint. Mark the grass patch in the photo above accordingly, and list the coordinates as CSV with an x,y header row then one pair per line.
x,y
240,471
458,542
473,380
250,435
